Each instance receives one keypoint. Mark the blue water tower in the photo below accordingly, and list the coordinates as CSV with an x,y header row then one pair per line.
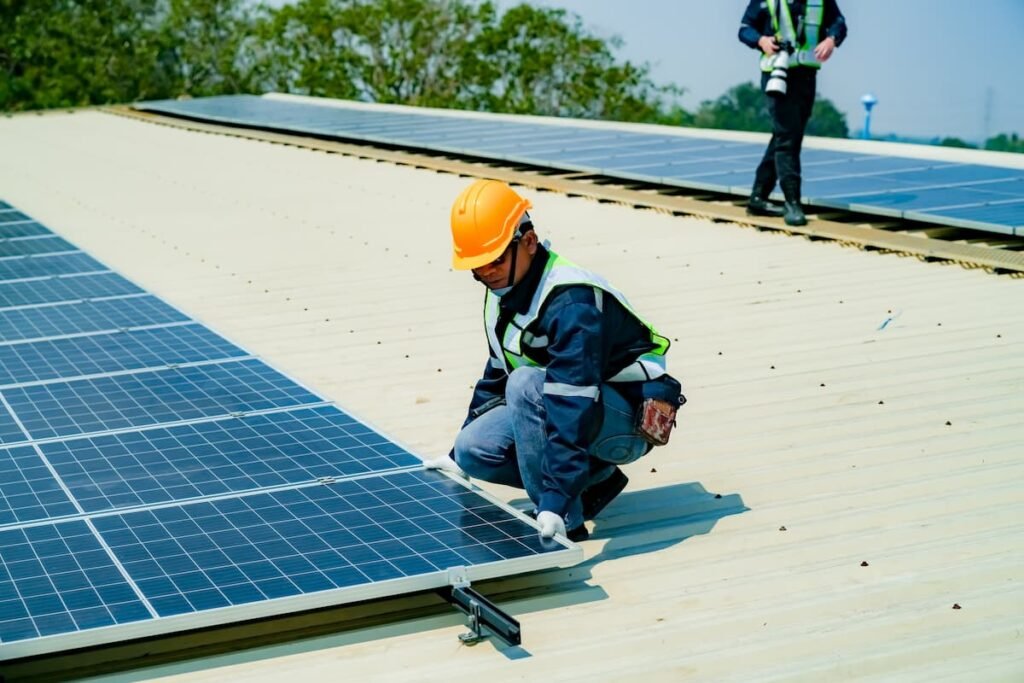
x,y
869,101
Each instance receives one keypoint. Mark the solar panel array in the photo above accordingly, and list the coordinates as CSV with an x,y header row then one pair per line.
x,y
155,477
974,196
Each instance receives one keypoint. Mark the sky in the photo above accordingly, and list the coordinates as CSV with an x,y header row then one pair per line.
x,y
937,67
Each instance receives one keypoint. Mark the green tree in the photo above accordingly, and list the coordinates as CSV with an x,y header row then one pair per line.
x,y
1005,142
956,142
827,121
743,107
206,47
59,53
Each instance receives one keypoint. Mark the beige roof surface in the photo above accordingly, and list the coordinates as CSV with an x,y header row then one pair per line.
x,y
899,447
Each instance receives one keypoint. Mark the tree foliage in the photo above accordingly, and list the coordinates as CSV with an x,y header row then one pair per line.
x,y
743,107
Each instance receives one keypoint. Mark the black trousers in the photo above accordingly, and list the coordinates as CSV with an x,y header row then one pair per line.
x,y
790,113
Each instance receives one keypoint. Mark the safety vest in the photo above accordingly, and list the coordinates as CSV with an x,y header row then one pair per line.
x,y
785,31
514,349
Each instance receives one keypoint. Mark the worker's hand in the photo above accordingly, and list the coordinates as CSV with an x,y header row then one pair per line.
x,y
550,524
446,464
824,49
768,45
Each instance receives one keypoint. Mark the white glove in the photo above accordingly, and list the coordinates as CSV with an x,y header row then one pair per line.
x,y
550,524
446,464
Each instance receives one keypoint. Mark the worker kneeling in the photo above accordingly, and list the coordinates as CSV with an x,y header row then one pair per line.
x,y
575,383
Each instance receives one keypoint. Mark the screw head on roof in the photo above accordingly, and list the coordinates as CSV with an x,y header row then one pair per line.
x,y
864,563
948,423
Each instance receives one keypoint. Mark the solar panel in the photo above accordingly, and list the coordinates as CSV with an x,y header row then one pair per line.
x,y
282,544
28,490
223,456
45,264
155,477
12,216
111,352
66,319
49,289
831,177
10,431
58,578
29,246
60,409
24,228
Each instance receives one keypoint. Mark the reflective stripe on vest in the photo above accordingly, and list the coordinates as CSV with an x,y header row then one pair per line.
x,y
784,29
559,272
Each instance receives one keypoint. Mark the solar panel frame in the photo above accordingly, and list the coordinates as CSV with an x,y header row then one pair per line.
x,y
555,553
35,244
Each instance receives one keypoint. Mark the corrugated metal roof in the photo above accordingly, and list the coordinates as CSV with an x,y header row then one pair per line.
x,y
805,411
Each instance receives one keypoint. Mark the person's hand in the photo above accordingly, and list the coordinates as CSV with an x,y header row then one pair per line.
x,y
824,49
550,524
445,464
768,45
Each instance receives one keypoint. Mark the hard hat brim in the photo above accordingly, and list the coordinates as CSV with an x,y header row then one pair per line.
x,y
471,262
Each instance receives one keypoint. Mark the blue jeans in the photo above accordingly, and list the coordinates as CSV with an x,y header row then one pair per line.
x,y
506,445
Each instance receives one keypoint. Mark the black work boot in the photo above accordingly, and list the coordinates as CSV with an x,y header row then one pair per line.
x,y
596,497
794,214
759,206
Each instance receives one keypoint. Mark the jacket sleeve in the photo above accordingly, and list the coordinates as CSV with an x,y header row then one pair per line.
x,y
750,25
834,22
572,385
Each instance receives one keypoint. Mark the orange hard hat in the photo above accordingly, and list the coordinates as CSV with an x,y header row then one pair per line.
x,y
485,217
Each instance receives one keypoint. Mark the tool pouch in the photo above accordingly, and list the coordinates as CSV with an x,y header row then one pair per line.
x,y
662,398
656,420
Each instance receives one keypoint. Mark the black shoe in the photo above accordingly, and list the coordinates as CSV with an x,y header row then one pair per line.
x,y
759,206
580,533
595,498
795,214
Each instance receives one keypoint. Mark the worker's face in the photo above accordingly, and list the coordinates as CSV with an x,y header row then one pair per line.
x,y
495,274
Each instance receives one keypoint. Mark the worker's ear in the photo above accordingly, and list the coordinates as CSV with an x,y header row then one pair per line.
x,y
530,240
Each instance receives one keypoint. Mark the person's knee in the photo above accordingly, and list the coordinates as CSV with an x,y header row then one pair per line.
x,y
525,384
475,455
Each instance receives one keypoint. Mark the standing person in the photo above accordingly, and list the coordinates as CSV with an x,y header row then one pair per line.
x,y
807,31
575,382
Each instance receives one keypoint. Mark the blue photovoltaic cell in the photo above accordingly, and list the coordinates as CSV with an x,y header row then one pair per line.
x,y
28,490
57,264
10,432
4,206
30,246
215,458
1009,214
57,578
13,217
87,316
22,229
852,186
67,288
916,200
111,352
263,546
149,398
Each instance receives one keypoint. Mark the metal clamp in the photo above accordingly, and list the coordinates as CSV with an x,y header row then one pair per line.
x,y
484,618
